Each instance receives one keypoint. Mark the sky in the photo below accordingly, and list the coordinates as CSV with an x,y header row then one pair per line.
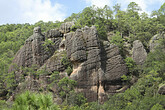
x,y
32,11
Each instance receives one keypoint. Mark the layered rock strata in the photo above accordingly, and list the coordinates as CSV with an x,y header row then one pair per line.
x,y
97,66
139,54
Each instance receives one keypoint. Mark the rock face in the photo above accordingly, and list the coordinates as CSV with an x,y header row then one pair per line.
x,y
85,55
54,33
97,66
162,90
154,42
33,52
139,54
66,27
54,62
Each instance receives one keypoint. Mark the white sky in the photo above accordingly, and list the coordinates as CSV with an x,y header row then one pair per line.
x,y
31,11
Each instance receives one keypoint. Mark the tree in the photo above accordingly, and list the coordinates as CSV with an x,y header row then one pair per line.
x,y
133,9
118,40
34,101
160,14
116,8
162,9
121,19
66,85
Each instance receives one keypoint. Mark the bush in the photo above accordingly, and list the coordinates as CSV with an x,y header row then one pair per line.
x,y
67,64
34,101
130,64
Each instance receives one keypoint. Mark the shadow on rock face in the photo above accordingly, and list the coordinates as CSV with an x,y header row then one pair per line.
x,y
97,67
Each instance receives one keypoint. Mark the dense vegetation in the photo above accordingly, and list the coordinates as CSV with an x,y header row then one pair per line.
x,y
142,95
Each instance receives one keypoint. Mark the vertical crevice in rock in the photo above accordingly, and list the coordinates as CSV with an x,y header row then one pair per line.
x,y
97,67
103,55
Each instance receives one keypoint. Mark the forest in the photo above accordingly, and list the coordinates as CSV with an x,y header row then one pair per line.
x,y
126,26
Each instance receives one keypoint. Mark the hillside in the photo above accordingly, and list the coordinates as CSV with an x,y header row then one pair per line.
x,y
96,59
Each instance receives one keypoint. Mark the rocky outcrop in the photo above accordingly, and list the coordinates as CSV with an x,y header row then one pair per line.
x,y
54,33
34,52
97,66
112,62
66,27
161,89
139,54
84,51
154,42
54,62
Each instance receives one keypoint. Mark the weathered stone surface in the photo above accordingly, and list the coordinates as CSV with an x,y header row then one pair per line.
x,y
161,89
55,36
83,50
62,44
97,67
110,35
76,49
139,54
154,42
54,33
94,66
66,27
54,62
114,67
33,52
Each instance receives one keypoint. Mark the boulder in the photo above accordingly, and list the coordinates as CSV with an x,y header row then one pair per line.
x,y
154,42
161,89
66,27
54,33
139,54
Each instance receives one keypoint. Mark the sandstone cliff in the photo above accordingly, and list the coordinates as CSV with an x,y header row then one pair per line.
x,y
97,65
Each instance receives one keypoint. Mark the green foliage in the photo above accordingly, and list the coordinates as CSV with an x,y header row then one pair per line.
x,y
42,71
157,107
143,95
156,62
54,79
125,78
69,70
3,105
130,64
67,64
66,85
100,17
132,99
145,38
117,40
12,37
34,101
140,96
48,43
76,99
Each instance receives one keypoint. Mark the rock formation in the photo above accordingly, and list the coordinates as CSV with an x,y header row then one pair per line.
x,y
139,54
34,52
97,66
154,42
66,27
161,89
54,33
